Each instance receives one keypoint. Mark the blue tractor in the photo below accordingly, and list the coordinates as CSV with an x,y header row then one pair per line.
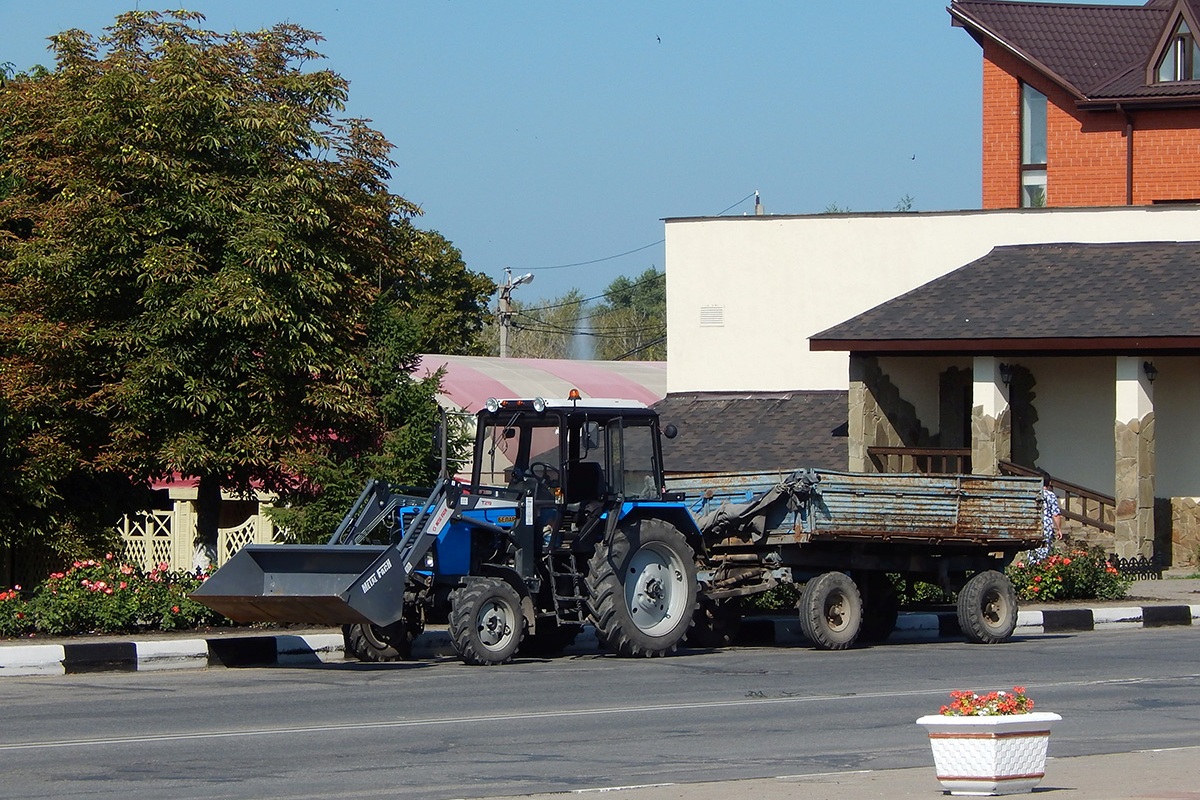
x,y
564,520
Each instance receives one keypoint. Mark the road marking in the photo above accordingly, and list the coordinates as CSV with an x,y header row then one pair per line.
x,y
749,702
600,789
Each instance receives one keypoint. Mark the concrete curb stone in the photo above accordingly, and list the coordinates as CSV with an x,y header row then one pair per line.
x,y
18,659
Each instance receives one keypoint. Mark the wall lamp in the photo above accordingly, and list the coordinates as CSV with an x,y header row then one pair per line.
x,y
1006,373
1150,370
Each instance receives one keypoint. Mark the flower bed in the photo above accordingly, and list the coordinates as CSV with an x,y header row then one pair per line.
x,y
106,596
1074,574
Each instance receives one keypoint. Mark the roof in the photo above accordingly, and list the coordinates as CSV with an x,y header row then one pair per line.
x,y
1126,297
755,432
470,380
1099,53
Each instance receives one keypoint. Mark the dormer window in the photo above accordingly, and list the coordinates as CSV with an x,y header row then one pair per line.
x,y
1181,59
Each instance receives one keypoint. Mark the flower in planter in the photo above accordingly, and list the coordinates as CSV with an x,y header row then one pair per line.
x,y
970,704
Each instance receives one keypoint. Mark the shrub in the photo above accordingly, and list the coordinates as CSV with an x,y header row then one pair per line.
x,y
1076,574
108,596
15,618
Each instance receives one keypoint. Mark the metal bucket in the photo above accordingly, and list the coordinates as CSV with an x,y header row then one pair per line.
x,y
318,584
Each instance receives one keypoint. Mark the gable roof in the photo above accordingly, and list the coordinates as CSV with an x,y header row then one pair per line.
x,y
1099,53
1127,297
755,432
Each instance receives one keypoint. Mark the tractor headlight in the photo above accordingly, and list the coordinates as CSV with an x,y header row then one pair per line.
x,y
430,562
539,405
492,405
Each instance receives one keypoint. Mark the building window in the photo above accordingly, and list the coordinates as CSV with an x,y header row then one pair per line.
x,y
1033,147
1181,60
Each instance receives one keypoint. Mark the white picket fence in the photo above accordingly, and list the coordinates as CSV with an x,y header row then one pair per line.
x,y
152,538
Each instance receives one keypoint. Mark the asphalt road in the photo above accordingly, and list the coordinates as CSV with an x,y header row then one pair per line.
x,y
444,730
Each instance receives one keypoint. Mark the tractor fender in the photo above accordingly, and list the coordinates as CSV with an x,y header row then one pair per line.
x,y
674,514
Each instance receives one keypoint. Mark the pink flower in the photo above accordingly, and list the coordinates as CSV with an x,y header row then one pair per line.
x,y
175,609
108,556
126,569
123,585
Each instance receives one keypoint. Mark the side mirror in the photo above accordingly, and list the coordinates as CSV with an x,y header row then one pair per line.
x,y
670,431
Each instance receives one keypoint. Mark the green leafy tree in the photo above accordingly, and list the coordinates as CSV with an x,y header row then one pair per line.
x,y
541,329
631,322
202,270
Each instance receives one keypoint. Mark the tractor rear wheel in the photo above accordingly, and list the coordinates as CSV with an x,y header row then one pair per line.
x,y
716,623
486,623
641,587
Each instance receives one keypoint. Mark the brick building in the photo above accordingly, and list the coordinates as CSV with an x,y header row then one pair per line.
x,y
1088,105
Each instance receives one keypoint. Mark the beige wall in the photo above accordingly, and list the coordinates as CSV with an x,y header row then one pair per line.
x,y
1177,410
1075,404
745,293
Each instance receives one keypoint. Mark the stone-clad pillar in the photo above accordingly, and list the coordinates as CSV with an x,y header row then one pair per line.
x,y
991,420
1134,485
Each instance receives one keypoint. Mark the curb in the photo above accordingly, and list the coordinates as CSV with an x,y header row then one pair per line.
x,y
306,649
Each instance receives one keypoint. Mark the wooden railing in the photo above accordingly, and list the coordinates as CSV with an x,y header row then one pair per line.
x,y
925,460
1078,503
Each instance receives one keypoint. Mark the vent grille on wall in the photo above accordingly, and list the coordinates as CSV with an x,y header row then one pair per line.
x,y
712,316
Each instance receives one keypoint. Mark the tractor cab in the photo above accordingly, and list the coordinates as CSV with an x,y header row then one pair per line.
x,y
569,460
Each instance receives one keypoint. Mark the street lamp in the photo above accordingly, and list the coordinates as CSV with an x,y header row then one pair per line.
x,y
504,309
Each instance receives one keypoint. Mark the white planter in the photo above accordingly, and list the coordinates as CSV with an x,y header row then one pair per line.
x,y
1002,754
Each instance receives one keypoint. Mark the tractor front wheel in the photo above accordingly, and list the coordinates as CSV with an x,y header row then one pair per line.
x,y
486,624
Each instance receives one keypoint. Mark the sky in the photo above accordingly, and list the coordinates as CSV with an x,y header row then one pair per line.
x,y
555,137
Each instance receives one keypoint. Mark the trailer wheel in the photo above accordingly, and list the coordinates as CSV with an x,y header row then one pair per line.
x,y
881,607
987,608
831,611
716,622
486,624
642,589
372,643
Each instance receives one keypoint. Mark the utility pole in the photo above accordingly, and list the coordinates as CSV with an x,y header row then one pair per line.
x,y
504,308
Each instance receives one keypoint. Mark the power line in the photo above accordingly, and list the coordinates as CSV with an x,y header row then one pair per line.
x,y
627,252
657,276
597,260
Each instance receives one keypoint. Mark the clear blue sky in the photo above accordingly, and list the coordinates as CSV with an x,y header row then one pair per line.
x,y
541,134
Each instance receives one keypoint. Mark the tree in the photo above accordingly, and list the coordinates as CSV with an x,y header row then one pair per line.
x,y
631,323
542,329
194,256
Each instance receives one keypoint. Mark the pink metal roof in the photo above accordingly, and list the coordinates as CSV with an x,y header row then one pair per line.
x,y
471,380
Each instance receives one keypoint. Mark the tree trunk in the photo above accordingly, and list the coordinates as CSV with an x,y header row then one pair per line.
x,y
208,515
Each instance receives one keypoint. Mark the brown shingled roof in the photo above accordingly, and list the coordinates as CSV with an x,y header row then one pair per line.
x,y
755,432
1097,52
1064,297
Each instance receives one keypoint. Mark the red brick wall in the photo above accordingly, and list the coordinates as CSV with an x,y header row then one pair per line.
x,y
1085,151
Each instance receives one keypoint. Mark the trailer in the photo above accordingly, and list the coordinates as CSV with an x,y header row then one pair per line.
x,y
568,518
842,535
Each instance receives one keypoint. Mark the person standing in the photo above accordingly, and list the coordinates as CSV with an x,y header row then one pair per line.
x,y
1051,519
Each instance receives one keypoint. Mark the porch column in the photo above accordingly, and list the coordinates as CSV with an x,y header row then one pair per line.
x,y
991,420
868,424
1134,485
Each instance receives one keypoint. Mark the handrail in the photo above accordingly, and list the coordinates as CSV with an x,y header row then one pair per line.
x,y
925,460
1078,503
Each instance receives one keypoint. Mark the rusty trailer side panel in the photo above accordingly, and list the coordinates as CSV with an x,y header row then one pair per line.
x,y
1001,512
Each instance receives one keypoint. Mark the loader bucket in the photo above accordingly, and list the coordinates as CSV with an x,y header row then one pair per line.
x,y
294,583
